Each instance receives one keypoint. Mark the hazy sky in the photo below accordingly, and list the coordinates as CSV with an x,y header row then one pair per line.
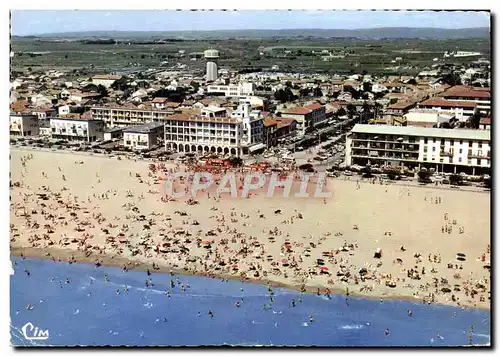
x,y
30,22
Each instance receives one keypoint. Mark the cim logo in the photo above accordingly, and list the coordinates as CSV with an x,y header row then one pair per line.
x,y
30,332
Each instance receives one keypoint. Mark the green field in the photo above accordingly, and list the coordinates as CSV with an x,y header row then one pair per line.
x,y
373,56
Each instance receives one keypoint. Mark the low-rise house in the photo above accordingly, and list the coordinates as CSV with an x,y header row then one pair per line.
x,y
113,133
485,123
159,103
399,109
143,137
77,129
44,112
24,125
427,118
78,96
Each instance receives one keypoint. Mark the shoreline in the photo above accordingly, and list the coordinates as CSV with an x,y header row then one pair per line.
x,y
113,210
119,261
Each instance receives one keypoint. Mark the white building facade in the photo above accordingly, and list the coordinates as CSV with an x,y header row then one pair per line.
x,y
143,137
194,133
232,90
123,116
24,125
87,130
445,150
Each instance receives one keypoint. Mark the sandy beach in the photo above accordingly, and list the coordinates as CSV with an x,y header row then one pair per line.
x,y
87,208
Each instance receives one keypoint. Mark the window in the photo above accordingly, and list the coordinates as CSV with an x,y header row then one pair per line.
x,y
459,159
434,140
461,141
452,142
433,149
425,140
460,151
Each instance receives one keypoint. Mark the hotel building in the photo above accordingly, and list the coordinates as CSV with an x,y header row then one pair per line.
x,y
123,116
204,134
445,150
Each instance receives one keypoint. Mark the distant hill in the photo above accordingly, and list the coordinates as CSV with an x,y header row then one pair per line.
x,y
369,33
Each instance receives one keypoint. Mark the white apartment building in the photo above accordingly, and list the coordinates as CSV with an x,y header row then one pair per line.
x,y
88,130
445,150
232,90
24,125
253,127
123,116
195,133
143,137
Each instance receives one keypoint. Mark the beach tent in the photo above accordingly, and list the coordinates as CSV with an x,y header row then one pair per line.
x,y
378,253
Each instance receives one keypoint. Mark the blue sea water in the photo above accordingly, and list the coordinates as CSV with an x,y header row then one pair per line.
x,y
88,311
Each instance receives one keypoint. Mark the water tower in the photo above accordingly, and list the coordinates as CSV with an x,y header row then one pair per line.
x,y
211,55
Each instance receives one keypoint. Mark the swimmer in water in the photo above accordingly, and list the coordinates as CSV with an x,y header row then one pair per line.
x,y
67,281
105,278
311,319
28,273
237,304
387,332
117,292
293,302
199,313
410,313
210,314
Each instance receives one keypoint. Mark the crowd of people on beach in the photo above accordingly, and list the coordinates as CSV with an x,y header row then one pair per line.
x,y
56,220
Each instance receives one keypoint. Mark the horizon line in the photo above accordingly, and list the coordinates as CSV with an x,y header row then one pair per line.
x,y
258,29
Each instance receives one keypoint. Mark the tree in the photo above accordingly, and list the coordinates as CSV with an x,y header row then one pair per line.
x,y
101,89
341,112
317,92
451,79
474,120
424,176
351,110
456,179
120,84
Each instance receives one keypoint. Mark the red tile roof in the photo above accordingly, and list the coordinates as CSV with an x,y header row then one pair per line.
x,y
467,92
447,103
159,100
485,121
400,106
